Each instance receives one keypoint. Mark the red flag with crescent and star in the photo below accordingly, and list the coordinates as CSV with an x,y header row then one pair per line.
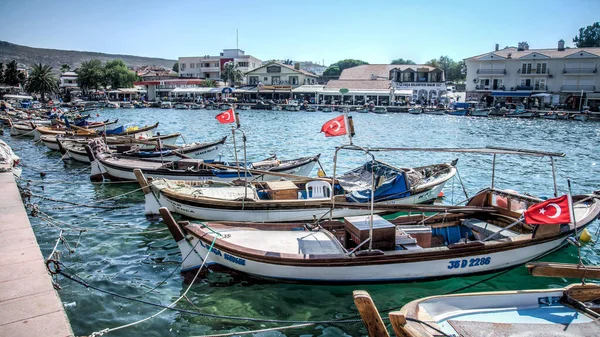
x,y
551,211
226,117
335,127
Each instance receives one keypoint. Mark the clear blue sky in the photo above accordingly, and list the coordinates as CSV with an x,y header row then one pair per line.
x,y
372,30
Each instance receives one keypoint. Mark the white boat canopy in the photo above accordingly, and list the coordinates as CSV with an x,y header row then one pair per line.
x,y
18,97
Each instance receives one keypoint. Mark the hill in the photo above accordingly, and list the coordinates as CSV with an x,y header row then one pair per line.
x,y
56,57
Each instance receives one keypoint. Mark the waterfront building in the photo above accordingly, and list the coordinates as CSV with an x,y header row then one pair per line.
x,y
210,67
520,74
68,80
381,84
169,87
274,80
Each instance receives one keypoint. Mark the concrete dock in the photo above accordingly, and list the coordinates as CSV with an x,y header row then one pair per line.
x,y
29,305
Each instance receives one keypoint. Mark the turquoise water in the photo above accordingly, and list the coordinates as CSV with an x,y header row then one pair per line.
x,y
126,253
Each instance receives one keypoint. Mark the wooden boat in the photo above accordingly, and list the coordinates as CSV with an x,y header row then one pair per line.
x,y
327,108
115,167
311,108
181,106
459,112
276,107
196,106
569,311
244,107
363,110
75,150
579,116
61,129
166,105
415,111
51,142
278,201
476,238
549,115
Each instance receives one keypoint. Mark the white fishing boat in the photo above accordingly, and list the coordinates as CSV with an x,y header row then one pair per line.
x,y
51,141
480,113
166,105
119,168
9,161
278,201
244,107
480,237
566,312
75,150
379,110
327,108
415,111
181,106
292,105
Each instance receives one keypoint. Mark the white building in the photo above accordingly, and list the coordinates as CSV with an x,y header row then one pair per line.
x,y
210,67
518,73
68,80
276,81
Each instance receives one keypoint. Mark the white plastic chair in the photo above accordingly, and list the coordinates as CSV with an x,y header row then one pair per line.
x,y
320,189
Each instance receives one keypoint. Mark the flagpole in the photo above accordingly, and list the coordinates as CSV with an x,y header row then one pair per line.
x,y
235,151
571,210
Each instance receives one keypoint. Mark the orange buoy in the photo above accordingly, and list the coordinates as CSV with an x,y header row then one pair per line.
x,y
441,194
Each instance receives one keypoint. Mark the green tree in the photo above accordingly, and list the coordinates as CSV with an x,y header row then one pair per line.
x,y
453,71
588,36
402,61
11,74
41,81
337,68
117,75
1,72
176,67
209,83
90,75
64,68
231,74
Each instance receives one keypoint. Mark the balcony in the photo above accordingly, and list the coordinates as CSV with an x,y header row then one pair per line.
x,y
577,88
419,84
543,72
489,87
491,71
580,71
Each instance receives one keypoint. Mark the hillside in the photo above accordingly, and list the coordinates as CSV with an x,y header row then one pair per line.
x,y
56,58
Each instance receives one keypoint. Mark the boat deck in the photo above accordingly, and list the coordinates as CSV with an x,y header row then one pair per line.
x,y
554,320
284,242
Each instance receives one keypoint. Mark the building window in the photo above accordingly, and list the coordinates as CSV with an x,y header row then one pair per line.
x,y
484,84
253,80
526,68
293,80
242,64
525,83
275,80
192,65
216,65
266,79
408,77
198,65
182,66
540,68
207,75
206,65
539,84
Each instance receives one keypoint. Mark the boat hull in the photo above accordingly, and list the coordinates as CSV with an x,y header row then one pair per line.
x,y
351,270
270,214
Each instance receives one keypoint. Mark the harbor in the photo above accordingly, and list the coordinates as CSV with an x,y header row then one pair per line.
x,y
122,251
279,169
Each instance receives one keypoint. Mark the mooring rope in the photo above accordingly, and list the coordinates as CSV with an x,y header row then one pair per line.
x,y
105,331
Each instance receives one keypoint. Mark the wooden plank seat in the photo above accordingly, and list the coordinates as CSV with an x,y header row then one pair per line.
x,y
486,229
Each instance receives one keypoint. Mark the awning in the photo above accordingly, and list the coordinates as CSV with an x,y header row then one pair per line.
x,y
541,95
511,93
198,90
593,96
310,89
403,92
17,97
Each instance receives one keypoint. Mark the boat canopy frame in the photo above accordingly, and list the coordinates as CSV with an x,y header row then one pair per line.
x,y
493,150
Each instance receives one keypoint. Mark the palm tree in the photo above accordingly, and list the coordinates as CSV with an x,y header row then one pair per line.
x,y
231,74
41,80
64,68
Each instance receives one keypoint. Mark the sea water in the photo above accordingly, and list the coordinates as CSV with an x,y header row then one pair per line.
x,y
124,252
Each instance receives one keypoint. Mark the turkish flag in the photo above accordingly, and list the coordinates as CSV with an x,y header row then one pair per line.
x,y
551,211
335,127
226,117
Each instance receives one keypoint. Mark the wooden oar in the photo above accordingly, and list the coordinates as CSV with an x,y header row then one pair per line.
x,y
566,270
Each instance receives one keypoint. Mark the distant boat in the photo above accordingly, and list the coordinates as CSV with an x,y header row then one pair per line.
x,y
244,107
276,107
292,105
327,108
379,110
480,113
459,112
196,106
434,111
415,111
362,110
181,106
311,108
579,116
166,105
